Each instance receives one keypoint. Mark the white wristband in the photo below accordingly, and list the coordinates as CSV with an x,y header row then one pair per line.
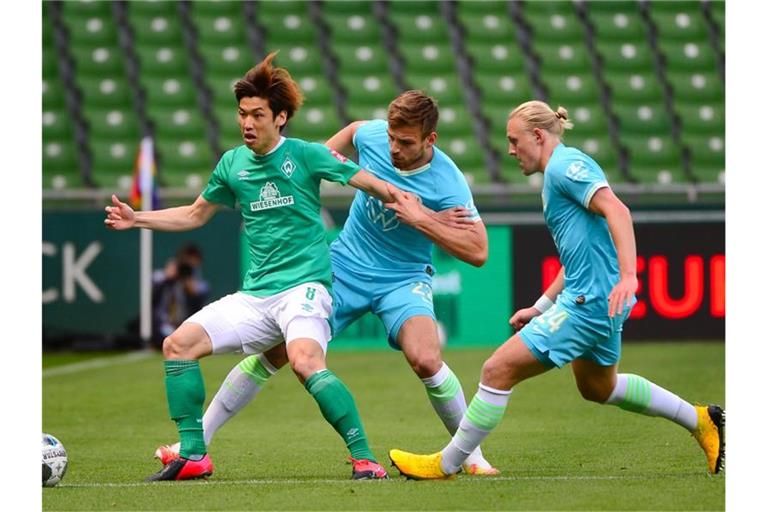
x,y
543,304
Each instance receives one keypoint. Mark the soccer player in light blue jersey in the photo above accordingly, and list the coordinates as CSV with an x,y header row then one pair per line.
x,y
382,260
579,318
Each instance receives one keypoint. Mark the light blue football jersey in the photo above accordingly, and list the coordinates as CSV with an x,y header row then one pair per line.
x,y
373,240
582,237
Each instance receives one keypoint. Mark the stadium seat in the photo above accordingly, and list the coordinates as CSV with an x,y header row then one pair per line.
x,y
92,30
99,61
316,89
599,147
497,58
222,87
288,29
717,9
219,29
563,57
509,89
86,9
587,116
177,122
682,21
702,118
365,90
162,60
414,7
454,120
428,58
113,161
654,159
362,58
56,124
688,56
446,88
116,123
60,166
169,92
699,86
707,157
468,155
53,92
569,88
464,7
625,56
227,59
415,28
184,163
634,87
283,7
560,25
104,91
229,130
618,26
487,27
651,119
160,29
353,27
301,59
315,123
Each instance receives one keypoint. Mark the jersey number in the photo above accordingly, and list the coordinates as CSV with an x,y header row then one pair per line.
x,y
553,318
310,293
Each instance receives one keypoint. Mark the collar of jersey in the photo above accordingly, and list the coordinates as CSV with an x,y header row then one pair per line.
x,y
279,143
413,172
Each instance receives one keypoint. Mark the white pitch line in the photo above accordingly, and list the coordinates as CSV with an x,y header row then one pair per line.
x,y
101,362
346,481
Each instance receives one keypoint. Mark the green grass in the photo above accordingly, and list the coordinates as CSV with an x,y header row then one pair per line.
x,y
556,451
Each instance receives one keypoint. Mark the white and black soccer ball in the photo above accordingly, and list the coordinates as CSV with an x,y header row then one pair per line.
x,y
54,461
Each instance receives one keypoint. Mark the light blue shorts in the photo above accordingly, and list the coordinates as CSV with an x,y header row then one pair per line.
x,y
566,332
393,301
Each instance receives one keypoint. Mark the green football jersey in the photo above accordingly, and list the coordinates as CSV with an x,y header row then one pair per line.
x,y
279,197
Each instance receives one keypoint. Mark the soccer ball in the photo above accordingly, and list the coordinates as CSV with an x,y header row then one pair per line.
x,y
54,461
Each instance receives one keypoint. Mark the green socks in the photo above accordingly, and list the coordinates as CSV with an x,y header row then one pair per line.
x,y
339,409
185,391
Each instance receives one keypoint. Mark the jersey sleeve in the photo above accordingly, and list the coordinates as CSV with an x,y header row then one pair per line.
x,y
580,180
457,193
218,190
325,163
363,133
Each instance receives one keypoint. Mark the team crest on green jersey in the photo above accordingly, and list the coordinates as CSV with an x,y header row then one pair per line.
x,y
270,198
288,167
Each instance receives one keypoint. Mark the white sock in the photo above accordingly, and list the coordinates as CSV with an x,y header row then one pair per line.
x,y
483,414
240,386
447,398
636,394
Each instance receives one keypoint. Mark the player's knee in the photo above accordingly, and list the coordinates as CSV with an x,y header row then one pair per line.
x,y
179,347
594,391
494,372
426,364
304,365
172,349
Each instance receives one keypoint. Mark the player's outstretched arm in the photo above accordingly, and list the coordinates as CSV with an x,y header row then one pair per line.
x,y
121,216
605,203
373,186
342,140
469,245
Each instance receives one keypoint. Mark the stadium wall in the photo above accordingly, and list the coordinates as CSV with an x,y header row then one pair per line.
x,y
91,279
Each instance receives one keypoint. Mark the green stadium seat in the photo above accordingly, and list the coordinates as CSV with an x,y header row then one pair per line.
x,y
718,16
229,129
316,88
288,29
588,117
698,86
60,166
702,118
222,87
56,124
571,87
347,7
366,90
415,28
53,93
315,123
113,161
444,87
169,92
162,60
281,7
599,147
634,87
496,115
185,162
428,58
362,58
107,91
654,159
613,6
509,88
469,7
353,28
229,59
50,63
687,56
415,7
626,56
707,157
455,120
622,26
301,59
488,27
467,154
232,8
114,123
99,61
156,29
156,8
91,31
563,57
220,28
175,123
497,58
86,9
562,26
651,119
683,21
362,112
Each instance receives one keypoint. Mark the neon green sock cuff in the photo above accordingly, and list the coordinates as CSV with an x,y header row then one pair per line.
x,y
252,367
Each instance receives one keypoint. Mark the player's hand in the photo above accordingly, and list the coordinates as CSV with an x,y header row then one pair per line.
x,y
621,295
457,217
406,206
523,316
119,216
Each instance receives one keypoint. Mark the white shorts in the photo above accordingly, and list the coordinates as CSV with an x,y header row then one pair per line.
x,y
243,323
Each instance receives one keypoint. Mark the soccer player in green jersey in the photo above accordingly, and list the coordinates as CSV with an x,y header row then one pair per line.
x,y
285,295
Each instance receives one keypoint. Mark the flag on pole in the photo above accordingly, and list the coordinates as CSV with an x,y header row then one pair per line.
x,y
143,191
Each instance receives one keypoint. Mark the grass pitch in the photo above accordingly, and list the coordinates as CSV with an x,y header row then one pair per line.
x,y
555,450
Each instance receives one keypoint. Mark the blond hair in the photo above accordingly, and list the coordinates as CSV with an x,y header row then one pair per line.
x,y
537,114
